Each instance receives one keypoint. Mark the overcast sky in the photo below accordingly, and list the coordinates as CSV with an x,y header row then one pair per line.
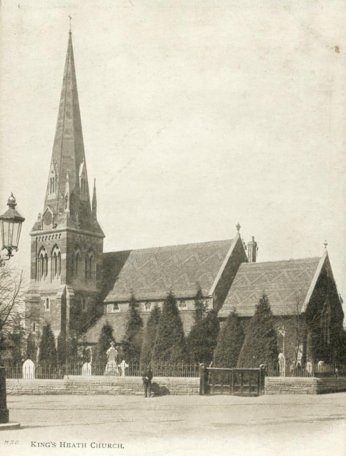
x,y
196,115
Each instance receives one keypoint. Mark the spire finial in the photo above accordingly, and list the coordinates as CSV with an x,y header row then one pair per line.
x,y
325,245
238,227
70,28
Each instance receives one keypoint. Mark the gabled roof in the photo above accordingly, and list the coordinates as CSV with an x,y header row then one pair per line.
x,y
152,273
288,284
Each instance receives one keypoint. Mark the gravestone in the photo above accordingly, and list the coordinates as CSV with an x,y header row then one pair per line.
x,y
86,369
308,368
282,365
28,369
123,366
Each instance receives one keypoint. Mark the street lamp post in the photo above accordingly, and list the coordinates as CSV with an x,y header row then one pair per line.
x,y
11,224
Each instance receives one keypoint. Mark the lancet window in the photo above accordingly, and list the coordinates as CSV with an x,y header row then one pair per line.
x,y
42,264
325,323
89,265
76,261
56,262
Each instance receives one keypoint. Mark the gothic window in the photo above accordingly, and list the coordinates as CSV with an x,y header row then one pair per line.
x,y
56,262
52,181
325,323
47,304
42,264
83,179
89,265
147,306
84,305
76,260
33,327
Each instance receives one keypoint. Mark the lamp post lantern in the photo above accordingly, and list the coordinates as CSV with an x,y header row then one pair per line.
x,y
10,226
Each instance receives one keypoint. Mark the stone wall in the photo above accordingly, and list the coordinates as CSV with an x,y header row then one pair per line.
x,y
304,385
102,385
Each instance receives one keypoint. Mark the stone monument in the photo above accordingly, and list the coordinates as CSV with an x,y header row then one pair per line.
x,y
123,366
86,369
112,366
282,365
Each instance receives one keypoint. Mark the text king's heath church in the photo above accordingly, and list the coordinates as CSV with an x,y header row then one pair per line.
x,y
77,288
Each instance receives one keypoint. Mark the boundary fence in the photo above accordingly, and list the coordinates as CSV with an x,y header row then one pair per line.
x,y
133,370
162,370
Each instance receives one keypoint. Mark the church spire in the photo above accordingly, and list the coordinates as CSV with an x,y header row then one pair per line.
x,y
94,203
68,157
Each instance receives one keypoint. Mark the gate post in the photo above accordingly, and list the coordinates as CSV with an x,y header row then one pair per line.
x,y
202,387
262,374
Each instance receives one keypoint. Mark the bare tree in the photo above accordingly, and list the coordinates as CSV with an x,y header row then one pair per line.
x,y
11,303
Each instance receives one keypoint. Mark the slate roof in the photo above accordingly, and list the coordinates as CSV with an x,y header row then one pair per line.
x,y
281,281
152,272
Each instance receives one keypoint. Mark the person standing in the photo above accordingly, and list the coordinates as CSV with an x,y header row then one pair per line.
x,y
147,377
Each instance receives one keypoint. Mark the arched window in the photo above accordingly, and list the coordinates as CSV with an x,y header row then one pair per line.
x,y
55,262
325,322
47,304
89,265
42,264
52,181
76,259
59,263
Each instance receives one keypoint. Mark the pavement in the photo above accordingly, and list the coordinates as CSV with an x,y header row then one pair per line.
x,y
177,425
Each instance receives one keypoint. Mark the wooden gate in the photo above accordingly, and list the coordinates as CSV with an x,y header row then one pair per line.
x,y
238,382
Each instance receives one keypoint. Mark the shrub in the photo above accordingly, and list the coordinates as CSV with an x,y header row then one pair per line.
x,y
229,342
132,341
260,344
170,345
150,334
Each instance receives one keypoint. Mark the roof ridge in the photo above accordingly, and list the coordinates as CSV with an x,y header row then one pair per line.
x,y
171,246
281,261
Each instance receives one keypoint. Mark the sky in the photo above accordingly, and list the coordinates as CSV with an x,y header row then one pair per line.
x,y
196,115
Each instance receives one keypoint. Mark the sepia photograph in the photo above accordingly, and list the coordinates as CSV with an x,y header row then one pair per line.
x,y
173,226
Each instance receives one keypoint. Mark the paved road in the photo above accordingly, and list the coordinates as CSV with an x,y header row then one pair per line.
x,y
173,425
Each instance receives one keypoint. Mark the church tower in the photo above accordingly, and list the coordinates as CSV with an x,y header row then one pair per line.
x,y
66,240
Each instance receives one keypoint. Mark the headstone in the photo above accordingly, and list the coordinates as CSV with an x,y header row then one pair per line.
x,y
123,366
282,365
308,367
28,369
111,366
86,369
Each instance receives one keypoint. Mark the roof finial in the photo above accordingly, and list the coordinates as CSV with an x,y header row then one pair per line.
x,y
325,245
238,227
70,19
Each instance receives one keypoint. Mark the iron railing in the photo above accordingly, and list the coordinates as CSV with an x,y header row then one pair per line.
x,y
311,371
76,368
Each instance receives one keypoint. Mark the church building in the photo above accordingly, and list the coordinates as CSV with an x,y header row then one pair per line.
x,y
76,287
